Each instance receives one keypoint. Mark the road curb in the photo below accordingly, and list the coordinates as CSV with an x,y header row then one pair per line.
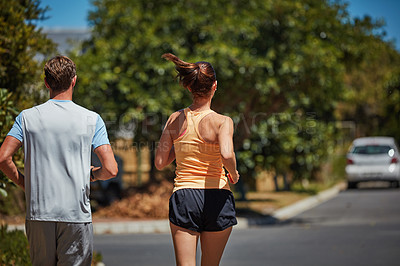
x,y
131,227
308,203
162,226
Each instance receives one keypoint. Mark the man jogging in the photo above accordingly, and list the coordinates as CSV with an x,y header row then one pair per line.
x,y
58,136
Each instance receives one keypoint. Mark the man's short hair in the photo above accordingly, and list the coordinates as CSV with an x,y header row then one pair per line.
x,y
59,72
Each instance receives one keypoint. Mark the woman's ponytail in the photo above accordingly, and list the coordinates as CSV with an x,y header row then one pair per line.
x,y
199,77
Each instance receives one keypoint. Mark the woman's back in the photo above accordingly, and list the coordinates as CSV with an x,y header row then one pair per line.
x,y
208,126
198,157
201,141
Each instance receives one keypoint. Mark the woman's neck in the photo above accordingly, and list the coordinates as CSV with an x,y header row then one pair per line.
x,y
200,104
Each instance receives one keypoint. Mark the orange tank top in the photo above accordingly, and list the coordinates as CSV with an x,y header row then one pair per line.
x,y
198,163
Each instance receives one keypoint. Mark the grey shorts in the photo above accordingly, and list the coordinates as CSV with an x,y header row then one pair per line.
x,y
58,243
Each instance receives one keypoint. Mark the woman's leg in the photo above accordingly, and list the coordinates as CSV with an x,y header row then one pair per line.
x,y
185,245
213,245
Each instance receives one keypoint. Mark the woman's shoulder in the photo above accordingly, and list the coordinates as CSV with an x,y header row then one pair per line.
x,y
174,116
220,118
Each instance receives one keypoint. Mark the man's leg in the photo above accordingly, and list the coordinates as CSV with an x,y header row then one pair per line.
x,y
74,243
42,242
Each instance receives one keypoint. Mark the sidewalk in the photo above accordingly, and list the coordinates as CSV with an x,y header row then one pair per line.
x,y
127,226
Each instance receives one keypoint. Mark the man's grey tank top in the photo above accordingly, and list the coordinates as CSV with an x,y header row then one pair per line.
x,y
58,138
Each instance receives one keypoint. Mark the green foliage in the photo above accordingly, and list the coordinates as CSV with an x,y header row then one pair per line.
x,y
14,203
97,258
372,97
22,45
282,68
14,248
390,118
121,74
7,114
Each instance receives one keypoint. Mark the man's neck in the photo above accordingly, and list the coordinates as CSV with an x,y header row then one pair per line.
x,y
64,95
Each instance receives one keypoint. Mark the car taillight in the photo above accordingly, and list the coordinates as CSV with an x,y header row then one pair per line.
x,y
394,160
350,161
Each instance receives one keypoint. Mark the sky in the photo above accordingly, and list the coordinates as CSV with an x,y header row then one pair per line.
x,y
73,14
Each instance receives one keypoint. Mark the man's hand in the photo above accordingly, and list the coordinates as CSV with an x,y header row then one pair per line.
x,y
92,178
7,150
109,167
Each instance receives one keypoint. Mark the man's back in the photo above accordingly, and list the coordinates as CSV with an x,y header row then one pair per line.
x,y
57,138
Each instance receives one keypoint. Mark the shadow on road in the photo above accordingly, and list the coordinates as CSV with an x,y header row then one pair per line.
x,y
269,220
257,219
374,185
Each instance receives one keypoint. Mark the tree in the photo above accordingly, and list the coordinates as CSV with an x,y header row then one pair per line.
x,y
22,45
390,120
7,115
280,66
371,95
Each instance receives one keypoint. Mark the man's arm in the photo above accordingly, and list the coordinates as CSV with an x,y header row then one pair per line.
x,y
7,166
109,167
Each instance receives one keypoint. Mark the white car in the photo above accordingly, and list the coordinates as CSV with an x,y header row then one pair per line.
x,y
373,159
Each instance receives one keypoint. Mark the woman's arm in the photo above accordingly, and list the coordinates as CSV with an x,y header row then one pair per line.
x,y
165,153
225,140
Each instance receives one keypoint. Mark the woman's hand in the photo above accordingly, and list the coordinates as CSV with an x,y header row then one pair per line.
x,y
233,178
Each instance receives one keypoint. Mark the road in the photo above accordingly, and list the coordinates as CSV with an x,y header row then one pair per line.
x,y
358,227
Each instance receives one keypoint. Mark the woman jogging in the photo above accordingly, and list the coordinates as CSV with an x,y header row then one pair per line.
x,y
202,205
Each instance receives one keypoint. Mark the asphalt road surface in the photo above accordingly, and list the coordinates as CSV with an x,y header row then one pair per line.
x,y
358,227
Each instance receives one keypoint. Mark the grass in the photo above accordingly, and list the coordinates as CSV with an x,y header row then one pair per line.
x,y
265,203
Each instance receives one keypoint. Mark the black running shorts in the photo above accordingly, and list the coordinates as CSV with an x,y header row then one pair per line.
x,y
202,209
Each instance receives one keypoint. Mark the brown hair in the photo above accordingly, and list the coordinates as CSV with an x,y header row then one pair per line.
x,y
59,72
199,76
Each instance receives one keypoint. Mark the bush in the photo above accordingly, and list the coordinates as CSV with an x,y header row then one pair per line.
x,y
14,247
97,259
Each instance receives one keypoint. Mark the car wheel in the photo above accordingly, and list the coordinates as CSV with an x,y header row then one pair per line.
x,y
351,185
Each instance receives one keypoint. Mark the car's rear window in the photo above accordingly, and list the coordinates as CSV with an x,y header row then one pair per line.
x,y
371,149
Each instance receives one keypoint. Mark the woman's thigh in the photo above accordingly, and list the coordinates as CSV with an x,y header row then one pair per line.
x,y
213,245
185,245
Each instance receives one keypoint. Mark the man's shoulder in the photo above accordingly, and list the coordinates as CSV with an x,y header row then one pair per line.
x,y
33,109
85,110
71,107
